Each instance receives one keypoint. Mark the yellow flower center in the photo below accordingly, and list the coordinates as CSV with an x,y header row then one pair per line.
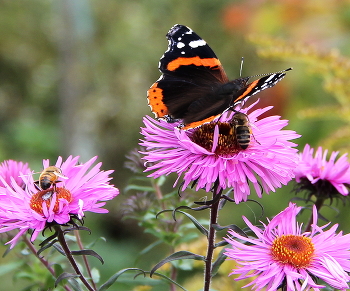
x,y
45,196
295,250
227,144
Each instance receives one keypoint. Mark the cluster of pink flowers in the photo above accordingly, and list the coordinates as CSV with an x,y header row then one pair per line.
x,y
282,255
24,206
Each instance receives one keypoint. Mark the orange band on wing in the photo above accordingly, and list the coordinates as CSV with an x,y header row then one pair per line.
x,y
248,90
155,101
197,61
199,123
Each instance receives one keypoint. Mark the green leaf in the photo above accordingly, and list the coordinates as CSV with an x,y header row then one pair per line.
x,y
170,280
48,240
160,181
9,267
221,244
65,276
218,262
46,246
234,227
77,227
59,249
196,223
95,274
181,255
88,253
138,188
151,246
74,284
115,277
93,243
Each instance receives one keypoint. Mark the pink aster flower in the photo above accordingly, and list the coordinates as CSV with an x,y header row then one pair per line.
x,y
80,188
283,256
211,153
14,169
321,177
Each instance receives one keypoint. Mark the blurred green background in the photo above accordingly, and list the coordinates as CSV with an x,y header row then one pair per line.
x,y
74,76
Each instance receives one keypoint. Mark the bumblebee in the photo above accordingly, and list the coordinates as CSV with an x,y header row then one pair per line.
x,y
49,177
241,130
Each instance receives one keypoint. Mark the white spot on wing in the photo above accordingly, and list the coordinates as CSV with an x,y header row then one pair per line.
x,y
180,45
197,43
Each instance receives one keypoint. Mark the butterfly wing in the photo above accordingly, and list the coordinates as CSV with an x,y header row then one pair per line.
x,y
256,86
190,70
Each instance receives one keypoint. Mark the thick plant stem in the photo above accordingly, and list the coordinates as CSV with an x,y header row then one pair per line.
x,y
214,211
62,241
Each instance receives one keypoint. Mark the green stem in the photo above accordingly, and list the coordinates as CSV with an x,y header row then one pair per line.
x,y
214,211
62,241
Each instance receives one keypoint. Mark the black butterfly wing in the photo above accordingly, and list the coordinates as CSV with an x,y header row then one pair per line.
x,y
190,71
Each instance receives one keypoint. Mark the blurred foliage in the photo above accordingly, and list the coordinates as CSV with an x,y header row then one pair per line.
x,y
334,70
74,75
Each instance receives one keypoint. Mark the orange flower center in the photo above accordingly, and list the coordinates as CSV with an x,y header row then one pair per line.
x,y
45,196
295,250
227,143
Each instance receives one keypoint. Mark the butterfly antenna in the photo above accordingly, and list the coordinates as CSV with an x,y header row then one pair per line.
x,y
241,68
267,74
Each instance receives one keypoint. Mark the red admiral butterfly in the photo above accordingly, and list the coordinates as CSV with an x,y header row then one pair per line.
x,y
193,86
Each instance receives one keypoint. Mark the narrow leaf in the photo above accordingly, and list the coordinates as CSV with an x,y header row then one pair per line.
x,y
218,262
46,246
65,276
230,226
221,244
199,226
7,251
139,188
74,284
50,238
170,280
77,227
181,255
115,277
196,223
88,253
9,267
150,247
59,249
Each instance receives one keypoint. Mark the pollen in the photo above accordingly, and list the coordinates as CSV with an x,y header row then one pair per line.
x,y
45,196
295,250
227,144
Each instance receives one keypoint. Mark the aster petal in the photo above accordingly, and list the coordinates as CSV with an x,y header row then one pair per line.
x,y
320,172
330,261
